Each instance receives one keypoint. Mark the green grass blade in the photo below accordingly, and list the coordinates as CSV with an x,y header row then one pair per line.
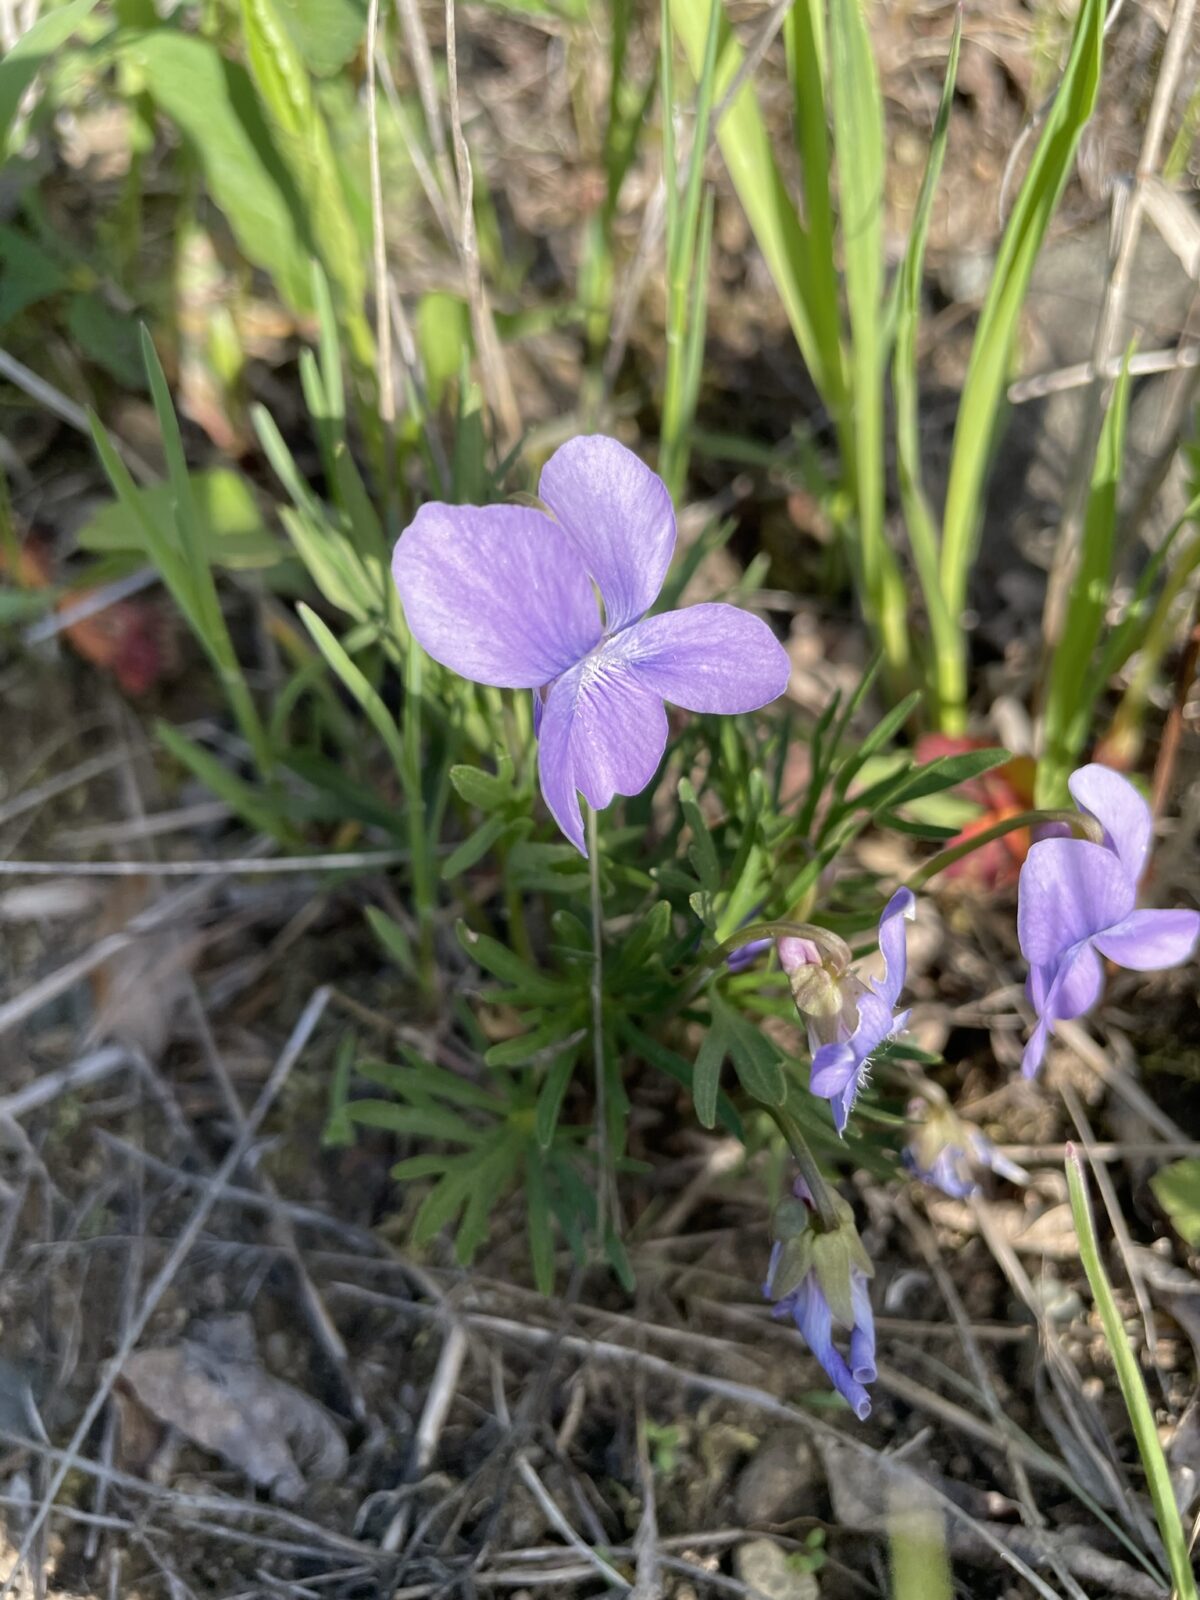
x,y
781,237
1073,685
1133,1389
983,392
924,537
859,143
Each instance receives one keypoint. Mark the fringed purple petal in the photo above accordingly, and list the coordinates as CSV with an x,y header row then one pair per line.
x,y
602,734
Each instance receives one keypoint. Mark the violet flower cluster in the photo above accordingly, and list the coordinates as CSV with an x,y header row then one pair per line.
x,y
557,601
819,1278
504,595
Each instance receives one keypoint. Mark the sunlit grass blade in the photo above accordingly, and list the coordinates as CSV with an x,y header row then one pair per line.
x,y
859,144
923,534
1072,683
688,235
982,398
1133,1389
746,147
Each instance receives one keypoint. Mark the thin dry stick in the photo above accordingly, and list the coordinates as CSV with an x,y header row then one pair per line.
x,y
71,1458
429,1430
1142,364
89,1069
502,401
1112,313
422,64
67,411
279,1227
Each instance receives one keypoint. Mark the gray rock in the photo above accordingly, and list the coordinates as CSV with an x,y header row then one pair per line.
x,y
780,1481
764,1569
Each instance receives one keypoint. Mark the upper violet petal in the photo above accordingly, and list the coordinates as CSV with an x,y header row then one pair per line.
x,y
1147,941
602,733
1120,811
495,593
618,516
708,657
1069,889
901,908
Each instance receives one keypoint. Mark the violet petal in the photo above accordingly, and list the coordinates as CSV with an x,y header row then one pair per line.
x,y
1120,811
1069,889
618,517
602,733
1146,941
708,657
495,593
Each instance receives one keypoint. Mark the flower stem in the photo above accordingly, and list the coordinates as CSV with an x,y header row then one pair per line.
x,y
597,986
1024,819
830,944
809,1170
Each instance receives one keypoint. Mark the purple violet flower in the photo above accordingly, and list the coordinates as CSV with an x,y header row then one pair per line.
x,y
948,1153
802,1279
506,595
742,959
868,1016
1076,901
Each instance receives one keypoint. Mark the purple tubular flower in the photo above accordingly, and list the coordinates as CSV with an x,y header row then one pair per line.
x,y
504,595
1076,903
840,1066
813,1315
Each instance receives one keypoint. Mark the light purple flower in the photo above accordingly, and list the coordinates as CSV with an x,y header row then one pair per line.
x,y
949,1153
807,1303
742,959
868,1016
506,595
1076,903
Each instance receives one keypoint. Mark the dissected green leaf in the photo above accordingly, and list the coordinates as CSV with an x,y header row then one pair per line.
x,y
1177,1190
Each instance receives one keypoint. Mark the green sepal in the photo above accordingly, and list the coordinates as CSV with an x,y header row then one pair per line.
x,y
796,1257
833,1261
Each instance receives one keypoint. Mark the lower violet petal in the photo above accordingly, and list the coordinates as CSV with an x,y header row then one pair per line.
x,y
707,657
1147,941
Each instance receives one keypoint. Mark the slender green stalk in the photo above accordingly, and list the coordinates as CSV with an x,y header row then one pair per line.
x,y
1133,1389
597,987
1084,826
422,863
809,1170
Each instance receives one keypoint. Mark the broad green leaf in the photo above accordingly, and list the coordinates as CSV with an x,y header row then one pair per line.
x,y
1177,1190
232,532
755,1059
393,939
550,1098
473,848
327,33
487,790
28,274
506,965
421,1122
707,1082
213,103
35,47
106,337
